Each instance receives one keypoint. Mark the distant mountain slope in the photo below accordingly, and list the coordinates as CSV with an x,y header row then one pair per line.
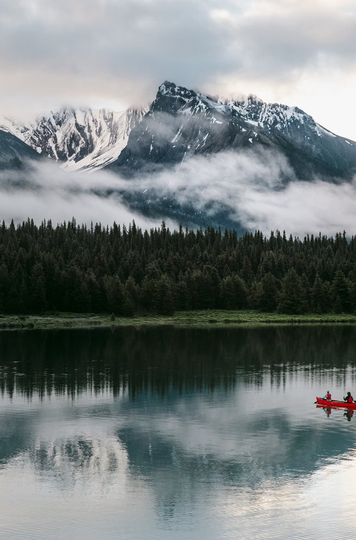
x,y
14,153
182,123
82,139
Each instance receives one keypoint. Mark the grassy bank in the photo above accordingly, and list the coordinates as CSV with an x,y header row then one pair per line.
x,y
207,318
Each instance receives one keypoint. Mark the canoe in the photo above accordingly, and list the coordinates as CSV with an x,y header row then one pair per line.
x,y
334,403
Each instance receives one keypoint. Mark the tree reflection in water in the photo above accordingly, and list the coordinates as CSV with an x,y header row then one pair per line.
x,y
133,360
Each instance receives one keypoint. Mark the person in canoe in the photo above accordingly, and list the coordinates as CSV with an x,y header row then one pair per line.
x,y
348,398
327,395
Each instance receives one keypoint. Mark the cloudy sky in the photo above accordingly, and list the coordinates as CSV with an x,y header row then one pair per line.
x,y
115,53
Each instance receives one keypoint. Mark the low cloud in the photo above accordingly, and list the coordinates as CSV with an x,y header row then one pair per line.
x,y
252,188
249,187
47,192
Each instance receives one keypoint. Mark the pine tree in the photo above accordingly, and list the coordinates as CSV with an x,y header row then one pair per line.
x,y
268,293
318,296
115,294
37,289
291,298
234,293
340,293
165,303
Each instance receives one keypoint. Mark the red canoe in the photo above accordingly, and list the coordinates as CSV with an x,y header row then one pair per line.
x,y
334,403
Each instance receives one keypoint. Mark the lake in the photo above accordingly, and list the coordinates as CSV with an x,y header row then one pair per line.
x,y
164,433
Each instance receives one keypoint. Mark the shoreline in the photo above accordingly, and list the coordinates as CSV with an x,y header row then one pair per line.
x,y
196,319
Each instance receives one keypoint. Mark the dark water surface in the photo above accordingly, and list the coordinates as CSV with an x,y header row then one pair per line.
x,y
177,434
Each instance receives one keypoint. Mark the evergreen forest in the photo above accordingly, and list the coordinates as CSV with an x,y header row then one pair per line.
x,y
128,271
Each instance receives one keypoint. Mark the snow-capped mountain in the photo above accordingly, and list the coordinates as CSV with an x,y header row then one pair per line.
x,y
14,154
181,123
81,139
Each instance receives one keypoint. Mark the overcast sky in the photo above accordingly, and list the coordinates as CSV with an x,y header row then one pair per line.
x,y
115,53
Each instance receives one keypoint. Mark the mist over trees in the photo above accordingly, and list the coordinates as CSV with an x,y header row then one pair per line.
x,y
127,271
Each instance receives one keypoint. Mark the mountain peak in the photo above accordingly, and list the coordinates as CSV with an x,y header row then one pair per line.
x,y
171,89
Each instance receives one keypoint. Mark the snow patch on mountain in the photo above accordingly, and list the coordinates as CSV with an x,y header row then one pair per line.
x,y
274,115
82,139
250,109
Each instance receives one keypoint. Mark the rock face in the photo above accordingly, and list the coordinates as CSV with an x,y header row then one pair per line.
x,y
81,139
182,123
14,154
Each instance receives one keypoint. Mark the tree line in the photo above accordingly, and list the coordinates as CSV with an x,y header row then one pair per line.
x,y
127,271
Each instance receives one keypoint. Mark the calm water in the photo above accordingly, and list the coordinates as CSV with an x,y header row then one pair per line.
x,y
172,434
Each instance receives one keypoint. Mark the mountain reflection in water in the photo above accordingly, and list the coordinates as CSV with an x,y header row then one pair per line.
x,y
178,415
